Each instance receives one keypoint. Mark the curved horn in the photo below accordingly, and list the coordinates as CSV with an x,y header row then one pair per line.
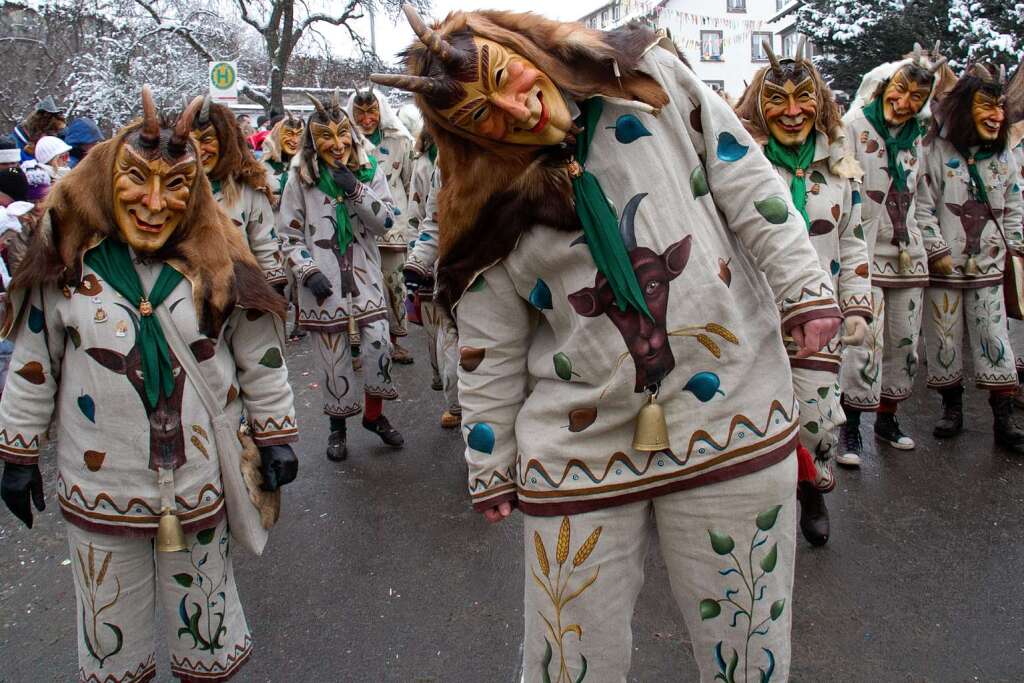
x,y
204,113
801,47
1002,74
627,227
318,105
772,58
935,50
149,136
179,137
917,52
438,45
419,84
336,98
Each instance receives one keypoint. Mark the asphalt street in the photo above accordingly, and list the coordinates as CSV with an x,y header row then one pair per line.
x,y
380,571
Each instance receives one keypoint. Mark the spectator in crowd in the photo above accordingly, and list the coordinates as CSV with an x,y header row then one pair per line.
x,y
46,119
82,134
245,124
53,155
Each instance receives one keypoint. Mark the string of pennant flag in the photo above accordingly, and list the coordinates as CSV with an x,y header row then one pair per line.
x,y
645,7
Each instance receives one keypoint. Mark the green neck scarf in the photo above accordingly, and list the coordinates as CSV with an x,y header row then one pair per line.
x,y
977,187
376,137
432,153
600,225
215,186
796,161
894,144
113,262
281,169
342,223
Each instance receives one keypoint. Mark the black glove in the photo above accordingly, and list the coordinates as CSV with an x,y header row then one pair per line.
x,y
414,279
344,179
279,466
279,287
18,484
320,286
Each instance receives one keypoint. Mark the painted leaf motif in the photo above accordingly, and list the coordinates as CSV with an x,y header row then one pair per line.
x,y
818,177
812,427
94,460
546,661
709,609
184,580
581,418
823,392
471,357
871,147
834,267
822,227
388,222
540,296
953,163
729,148
88,407
563,366
74,336
478,284
36,321
776,610
766,520
724,271
698,182
32,372
836,211
205,536
769,561
855,197
481,438
272,358
704,385
375,207
773,209
858,232
628,128
695,121
721,543
861,270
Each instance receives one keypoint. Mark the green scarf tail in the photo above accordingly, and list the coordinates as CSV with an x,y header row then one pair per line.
x,y
281,169
113,262
432,153
342,223
215,186
796,161
977,187
600,225
376,137
894,144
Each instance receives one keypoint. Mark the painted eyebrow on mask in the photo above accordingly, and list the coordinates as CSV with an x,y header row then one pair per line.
x,y
465,110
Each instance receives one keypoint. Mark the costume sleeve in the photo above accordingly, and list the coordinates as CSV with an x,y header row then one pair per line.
x,y
372,204
257,344
1013,206
34,376
928,199
263,238
424,251
751,198
291,225
494,331
854,271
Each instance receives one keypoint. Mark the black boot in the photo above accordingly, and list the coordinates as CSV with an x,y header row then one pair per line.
x,y
952,421
337,449
887,430
388,434
1007,433
813,513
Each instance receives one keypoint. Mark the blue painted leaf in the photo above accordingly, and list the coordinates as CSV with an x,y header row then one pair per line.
x,y
35,320
629,129
388,222
835,267
704,385
856,197
88,407
384,150
729,148
395,210
424,237
540,297
481,438
953,163
766,675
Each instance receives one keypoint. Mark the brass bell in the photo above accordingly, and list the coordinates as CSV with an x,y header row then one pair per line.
x,y
905,262
651,431
354,338
170,537
971,268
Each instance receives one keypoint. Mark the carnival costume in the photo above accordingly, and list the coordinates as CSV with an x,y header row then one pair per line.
x,y
885,134
133,241
392,145
790,111
970,211
334,206
555,298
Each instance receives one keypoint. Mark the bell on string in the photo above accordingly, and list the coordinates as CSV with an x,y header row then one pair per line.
x,y
905,262
651,431
170,537
971,268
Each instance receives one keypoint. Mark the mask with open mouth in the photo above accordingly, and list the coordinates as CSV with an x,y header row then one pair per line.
x,y
789,97
976,111
989,115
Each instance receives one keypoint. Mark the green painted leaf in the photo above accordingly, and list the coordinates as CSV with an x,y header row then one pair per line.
x,y
205,536
911,305
817,177
721,543
709,609
546,661
375,207
583,669
36,321
858,232
776,610
184,580
272,358
904,342
769,561
699,182
766,520
730,674
823,392
74,336
563,366
773,209
812,427
478,284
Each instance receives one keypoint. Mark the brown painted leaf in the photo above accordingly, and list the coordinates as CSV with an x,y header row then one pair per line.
x,y
862,270
470,357
203,349
32,372
724,272
695,121
94,460
871,147
232,395
821,227
90,286
581,418
200,447
836,211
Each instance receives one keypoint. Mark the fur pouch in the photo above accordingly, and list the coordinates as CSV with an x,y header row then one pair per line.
x,y
268,503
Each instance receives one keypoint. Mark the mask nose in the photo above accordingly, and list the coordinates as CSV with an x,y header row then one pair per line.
x,y
154,200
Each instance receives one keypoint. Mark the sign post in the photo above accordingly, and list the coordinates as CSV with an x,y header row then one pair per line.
x,y
224,82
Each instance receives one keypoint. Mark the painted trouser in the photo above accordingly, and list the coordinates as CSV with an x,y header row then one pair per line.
x,y
729,548
1017,341
342,397
391,265
443,351
885,366
983,313
117,583
821,415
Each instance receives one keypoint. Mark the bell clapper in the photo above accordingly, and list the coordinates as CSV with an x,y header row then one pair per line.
x,y
651,432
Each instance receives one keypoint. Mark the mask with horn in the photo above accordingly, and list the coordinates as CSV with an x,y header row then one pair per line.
x,y
790,96
205,134
328,139
290,135
154,173
908,90
974,113
366,111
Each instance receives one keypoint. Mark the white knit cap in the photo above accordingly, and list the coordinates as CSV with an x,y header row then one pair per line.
x,y
48,147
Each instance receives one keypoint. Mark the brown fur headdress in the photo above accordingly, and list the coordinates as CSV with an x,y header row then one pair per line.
x,y
236,164
492,192
206,247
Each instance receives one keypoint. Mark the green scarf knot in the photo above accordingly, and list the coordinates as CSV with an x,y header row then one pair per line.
x,y
796,161
600,225
977,187
894,144
112,260
376,137
342,223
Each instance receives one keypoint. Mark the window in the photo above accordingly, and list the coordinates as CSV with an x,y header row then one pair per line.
x,y
780,4
604,18
736,5
757,53
789,41
711,46
717,86
615,12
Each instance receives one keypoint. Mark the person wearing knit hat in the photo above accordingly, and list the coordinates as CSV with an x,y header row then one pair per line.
x,y
52,156
82,134
46,119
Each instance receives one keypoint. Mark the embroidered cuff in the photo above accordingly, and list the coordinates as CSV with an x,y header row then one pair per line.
x,y
809,310
16,449
273,431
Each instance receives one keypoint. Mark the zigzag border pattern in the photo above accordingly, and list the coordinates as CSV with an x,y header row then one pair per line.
x,y
479,487
70,494
825,291
144,672
187,670
271,425
17,442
